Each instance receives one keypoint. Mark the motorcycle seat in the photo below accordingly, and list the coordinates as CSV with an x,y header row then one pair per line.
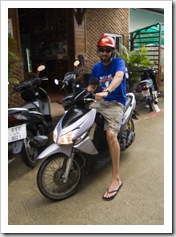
x,y
16,110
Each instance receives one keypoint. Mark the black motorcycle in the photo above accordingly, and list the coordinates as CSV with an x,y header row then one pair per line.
x,y
29,125
149,87
72,82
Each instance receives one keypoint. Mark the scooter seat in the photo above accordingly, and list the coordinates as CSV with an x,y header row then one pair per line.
x,y
16,110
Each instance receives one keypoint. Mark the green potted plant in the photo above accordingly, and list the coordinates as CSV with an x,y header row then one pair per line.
x,y
135,61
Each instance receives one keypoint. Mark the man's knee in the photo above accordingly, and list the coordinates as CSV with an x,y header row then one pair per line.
x,y
111,135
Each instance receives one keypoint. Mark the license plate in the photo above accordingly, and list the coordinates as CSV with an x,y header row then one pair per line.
x,y
17,133
146,93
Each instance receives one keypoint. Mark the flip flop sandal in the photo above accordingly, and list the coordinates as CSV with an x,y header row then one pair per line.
x,y
114,191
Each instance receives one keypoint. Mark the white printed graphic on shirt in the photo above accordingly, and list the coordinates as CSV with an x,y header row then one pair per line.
x,y
107,83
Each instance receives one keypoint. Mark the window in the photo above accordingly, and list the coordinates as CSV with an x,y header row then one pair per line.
x,y
118,40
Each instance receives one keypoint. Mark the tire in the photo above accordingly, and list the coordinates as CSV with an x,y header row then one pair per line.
x,y
50,181
29,154
150,103
130,125
123,137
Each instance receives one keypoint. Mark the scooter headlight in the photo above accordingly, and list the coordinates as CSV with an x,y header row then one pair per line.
x,y
55,135
65,139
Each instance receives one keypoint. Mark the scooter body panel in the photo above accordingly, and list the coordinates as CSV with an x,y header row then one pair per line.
x,y
84,123
55,148
129,108
87,147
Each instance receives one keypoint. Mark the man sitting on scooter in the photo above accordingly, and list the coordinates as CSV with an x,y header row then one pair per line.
x,y
110,103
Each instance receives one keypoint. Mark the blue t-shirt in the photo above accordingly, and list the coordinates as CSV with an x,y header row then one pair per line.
x,y
105,75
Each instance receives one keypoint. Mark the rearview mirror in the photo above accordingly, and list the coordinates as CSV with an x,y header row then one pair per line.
x,y
56,81
76,63
41,68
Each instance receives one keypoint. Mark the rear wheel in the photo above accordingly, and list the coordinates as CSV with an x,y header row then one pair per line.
x,y
130,125
29,154
50,177
150,103
127,136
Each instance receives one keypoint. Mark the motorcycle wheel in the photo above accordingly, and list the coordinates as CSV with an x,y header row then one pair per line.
x,y
50,177
150,103
127,130
29,154
130,125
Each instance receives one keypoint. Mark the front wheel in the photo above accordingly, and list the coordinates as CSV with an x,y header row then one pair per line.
x,y
50,177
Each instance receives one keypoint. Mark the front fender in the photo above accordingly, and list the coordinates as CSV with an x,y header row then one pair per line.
x,y
55,148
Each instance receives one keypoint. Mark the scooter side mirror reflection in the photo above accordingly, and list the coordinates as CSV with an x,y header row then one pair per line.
x,y
56,81
76,63
41,68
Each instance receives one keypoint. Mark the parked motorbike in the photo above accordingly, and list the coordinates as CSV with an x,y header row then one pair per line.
x,y
70,84
29,125
149,88
74,153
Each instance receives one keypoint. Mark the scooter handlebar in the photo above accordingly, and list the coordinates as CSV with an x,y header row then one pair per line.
x,y
44,78
27,84
36,81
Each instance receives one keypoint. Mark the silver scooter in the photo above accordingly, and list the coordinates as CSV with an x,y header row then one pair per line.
x,y
73,153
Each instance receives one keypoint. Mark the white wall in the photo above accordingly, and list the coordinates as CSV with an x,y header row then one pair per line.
x,y
140,19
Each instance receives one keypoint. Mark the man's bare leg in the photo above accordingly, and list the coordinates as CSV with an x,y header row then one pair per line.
x,y
114,150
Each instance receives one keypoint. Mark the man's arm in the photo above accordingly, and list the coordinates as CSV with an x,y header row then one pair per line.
x,y
91,87
114,84
94,84
118,78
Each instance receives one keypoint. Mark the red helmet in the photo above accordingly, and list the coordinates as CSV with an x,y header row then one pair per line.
x,y
106,41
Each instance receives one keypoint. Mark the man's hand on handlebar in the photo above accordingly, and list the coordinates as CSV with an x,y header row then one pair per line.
x,y
101,95
91,88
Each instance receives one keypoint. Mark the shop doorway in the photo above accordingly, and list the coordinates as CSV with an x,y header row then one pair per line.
x,y
47,37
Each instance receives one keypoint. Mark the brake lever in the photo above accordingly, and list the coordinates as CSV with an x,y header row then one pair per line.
x,y
44,78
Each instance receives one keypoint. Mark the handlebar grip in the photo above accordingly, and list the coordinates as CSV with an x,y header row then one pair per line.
x,y
27,84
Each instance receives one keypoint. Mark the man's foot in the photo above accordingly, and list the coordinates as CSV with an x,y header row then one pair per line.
x,y
110,194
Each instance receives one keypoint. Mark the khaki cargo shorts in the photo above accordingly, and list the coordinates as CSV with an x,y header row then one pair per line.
x,y
112,112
